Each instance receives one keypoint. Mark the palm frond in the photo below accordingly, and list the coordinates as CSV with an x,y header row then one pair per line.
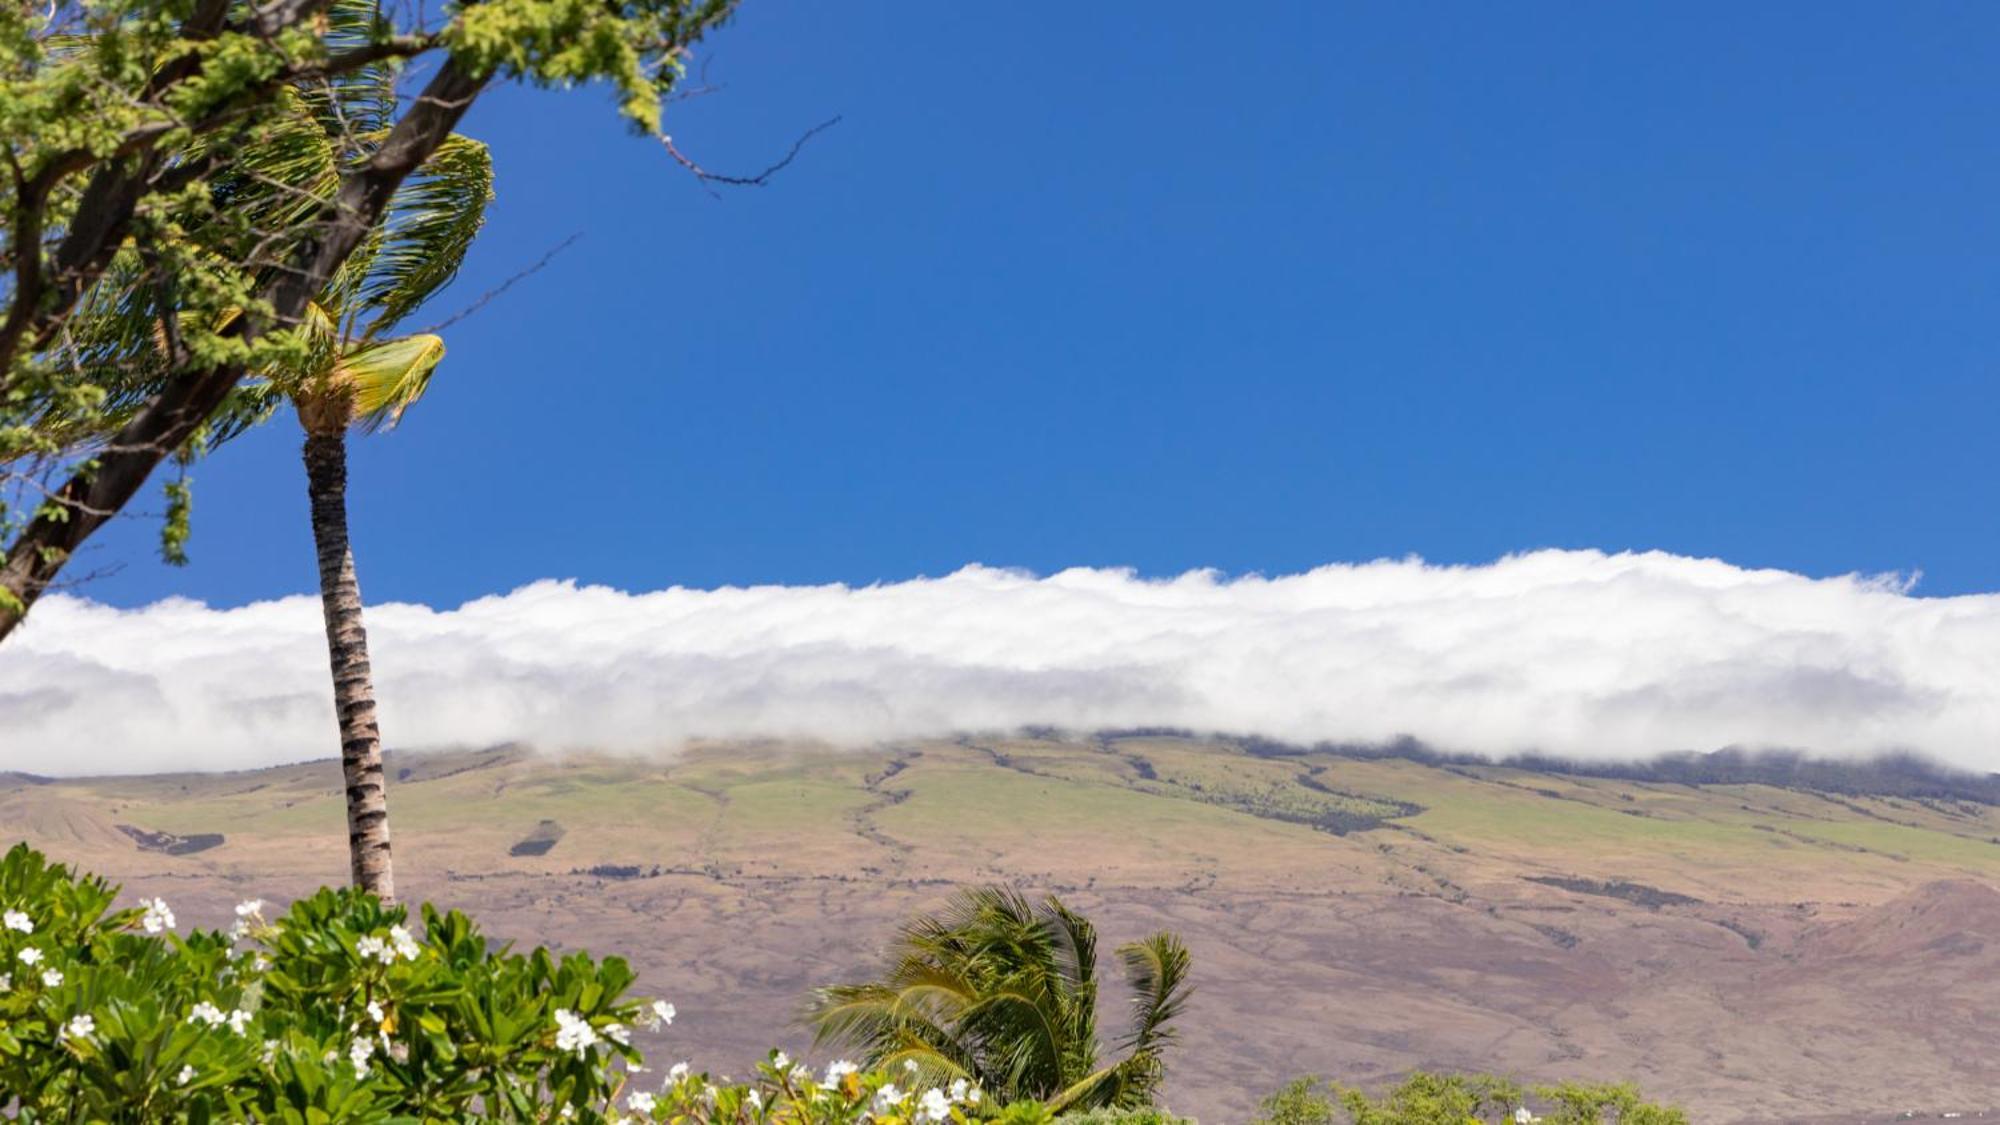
x,y
430,224
360,102
1093,1090
850,1012
1157,969
1076,942
278,179
387,378
247,406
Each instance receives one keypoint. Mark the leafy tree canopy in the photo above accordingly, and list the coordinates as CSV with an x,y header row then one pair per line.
x,y
135,133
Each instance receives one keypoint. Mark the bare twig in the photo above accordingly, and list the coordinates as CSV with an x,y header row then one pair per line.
x,y
702,87
488,296
760,179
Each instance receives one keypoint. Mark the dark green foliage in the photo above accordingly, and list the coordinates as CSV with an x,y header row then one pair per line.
x,y
1579,1103
1460,1099
1302,1101
1436,1099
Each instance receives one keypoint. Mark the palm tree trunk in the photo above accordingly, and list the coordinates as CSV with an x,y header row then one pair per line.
x,y
347,649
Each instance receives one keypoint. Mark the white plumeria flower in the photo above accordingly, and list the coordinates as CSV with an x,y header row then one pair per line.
x,y
359,1052
639,1101
781,1060
185,1076
239,1019
158,916
755,1099
250,908
933,1107
887,1098
566,1112
617,1033
676,1072
52,978
399,1051
205,1012
835,1071
798,1075
399,945
79,1027
29,955
659,1014
375,1011
574,1034
959,1087
16,920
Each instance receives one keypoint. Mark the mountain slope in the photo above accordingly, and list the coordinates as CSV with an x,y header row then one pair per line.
x,y
1760,953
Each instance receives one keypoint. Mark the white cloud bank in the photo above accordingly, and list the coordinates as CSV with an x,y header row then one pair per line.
x,y
1569,652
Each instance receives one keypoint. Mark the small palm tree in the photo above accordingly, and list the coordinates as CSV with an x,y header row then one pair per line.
x,y
362,376
365,378
1002,992
350,369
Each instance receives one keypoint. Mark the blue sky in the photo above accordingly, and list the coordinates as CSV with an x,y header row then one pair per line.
x,y
1177,285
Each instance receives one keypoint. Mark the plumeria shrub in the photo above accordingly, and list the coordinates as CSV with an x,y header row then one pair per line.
x,y
336,1010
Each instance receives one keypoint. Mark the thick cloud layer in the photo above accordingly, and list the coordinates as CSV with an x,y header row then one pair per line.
x,y
1570,652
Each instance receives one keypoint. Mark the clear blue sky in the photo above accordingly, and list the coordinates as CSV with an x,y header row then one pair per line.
x,y
1173,285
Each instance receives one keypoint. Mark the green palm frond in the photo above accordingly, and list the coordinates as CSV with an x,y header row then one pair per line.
x,y
248,405
429,226
1076,942
360,102
1157,969
850,1012
284,175
387,378
1098,1088
935,1065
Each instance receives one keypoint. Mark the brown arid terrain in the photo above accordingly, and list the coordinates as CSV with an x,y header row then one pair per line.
x,y
1754,952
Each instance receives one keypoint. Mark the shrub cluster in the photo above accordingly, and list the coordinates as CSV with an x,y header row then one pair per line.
x,y
336,1011
1462,1099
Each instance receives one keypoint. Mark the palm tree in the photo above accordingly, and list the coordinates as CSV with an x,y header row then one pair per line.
x,y
358,375
352,372
1002,992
